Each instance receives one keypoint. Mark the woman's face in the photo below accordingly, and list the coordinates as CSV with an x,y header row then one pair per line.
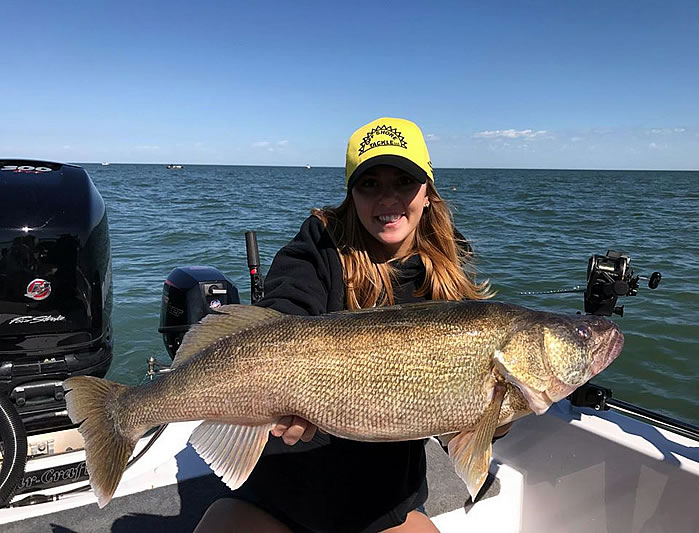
x,y
389,204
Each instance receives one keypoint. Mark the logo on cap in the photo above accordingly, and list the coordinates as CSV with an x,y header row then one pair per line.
x,y
382,136
38,289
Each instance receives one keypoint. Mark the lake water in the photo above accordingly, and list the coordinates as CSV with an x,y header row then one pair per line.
x,y
532,230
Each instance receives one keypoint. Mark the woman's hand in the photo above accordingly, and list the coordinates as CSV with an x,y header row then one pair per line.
x,y
293,428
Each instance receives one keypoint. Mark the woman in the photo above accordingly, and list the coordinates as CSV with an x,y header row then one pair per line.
x,y
390,241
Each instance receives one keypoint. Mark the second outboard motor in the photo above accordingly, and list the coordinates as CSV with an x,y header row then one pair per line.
x,y
55,286
189,293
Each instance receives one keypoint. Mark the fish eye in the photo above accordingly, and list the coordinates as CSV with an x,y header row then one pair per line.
x,y
583,332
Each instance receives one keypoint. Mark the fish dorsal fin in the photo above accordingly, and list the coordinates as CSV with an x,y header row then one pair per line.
x,y
471,450
232,451
225,321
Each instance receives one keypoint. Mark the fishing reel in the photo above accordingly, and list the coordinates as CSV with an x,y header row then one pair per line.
x,y
608,277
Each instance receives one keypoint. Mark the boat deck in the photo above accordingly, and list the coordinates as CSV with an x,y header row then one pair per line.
x,y
567,471
179,507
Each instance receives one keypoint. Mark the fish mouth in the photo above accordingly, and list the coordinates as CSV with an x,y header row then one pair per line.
x,y
608,350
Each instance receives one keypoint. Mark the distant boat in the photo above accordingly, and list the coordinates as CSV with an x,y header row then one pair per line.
x,y
175,166
308,166
104,164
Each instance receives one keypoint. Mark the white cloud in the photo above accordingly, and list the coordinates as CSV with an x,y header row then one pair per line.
x,y
603,131
510,134
270,146
652,145
432,137
666,131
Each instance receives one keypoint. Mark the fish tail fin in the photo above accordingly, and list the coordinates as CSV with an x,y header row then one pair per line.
x,y
90,403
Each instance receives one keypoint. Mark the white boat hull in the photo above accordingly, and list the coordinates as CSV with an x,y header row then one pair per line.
x,y
564,471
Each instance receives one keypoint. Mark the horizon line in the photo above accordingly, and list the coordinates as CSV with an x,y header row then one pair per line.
x,y
435,168
109,163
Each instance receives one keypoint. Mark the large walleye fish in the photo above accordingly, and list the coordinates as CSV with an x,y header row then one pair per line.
x,y
385,374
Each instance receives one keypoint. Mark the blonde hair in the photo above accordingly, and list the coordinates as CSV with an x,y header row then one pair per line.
x,y
449,272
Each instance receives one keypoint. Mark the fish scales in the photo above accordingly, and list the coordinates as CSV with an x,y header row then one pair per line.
x,y
384,376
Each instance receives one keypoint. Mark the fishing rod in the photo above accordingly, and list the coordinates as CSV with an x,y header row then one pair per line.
x,y
600,399
256,280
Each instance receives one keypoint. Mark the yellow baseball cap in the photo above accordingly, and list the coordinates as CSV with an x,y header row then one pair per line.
x,y
388,141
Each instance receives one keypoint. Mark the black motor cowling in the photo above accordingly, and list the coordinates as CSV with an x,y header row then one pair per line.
x,y
55,286
189,293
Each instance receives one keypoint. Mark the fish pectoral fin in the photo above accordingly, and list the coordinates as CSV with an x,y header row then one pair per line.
x,y
231,450
472,449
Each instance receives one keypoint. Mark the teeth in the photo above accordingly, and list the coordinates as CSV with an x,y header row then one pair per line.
x,y
388,218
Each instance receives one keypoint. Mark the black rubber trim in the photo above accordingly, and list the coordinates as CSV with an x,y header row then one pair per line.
x,y
14,440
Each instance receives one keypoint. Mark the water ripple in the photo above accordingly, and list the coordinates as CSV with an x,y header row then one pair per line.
x,y
533,230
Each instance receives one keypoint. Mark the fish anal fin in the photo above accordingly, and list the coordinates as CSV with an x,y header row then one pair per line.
x,y
224,321
471,450
231,450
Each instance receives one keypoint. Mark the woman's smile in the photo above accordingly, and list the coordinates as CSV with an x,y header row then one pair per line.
x,y
390,219
389,204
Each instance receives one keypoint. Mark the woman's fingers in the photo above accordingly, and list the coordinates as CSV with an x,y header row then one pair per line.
x,y
282,425
309,432
295,431
294,428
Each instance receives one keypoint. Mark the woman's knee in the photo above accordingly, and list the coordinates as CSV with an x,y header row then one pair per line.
x,y
416,522
237,516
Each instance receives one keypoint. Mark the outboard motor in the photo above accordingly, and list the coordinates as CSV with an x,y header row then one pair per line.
x,y
55,286
189,293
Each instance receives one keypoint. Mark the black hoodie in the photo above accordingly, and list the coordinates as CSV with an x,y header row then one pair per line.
x,y
332,484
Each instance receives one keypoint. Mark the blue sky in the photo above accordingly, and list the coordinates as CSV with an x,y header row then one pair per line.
x,y
526,84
